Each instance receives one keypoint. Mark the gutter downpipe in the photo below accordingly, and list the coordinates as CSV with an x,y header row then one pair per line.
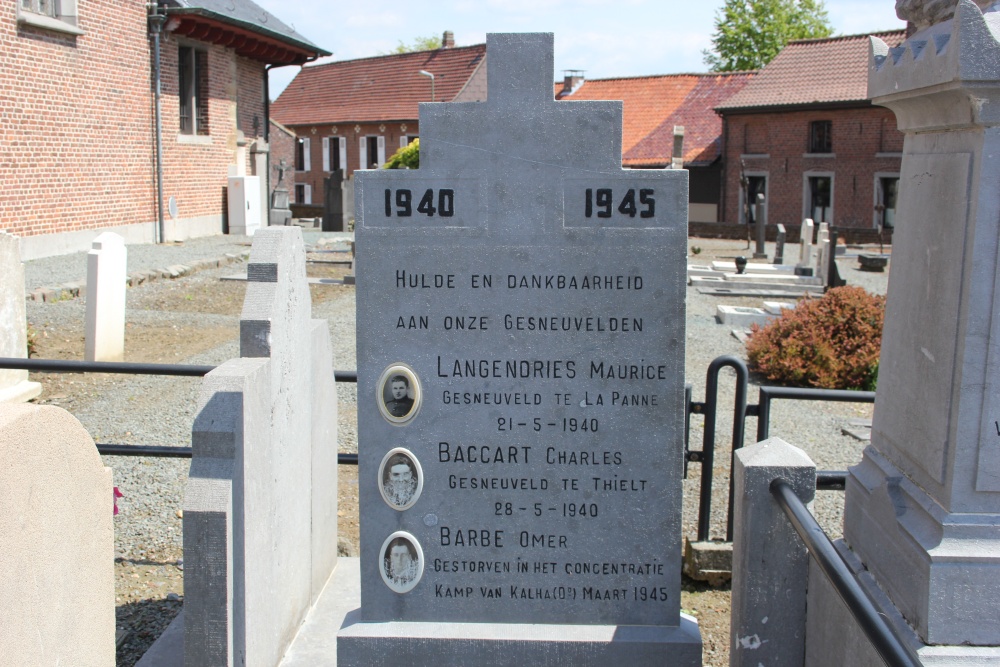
x,y
156,21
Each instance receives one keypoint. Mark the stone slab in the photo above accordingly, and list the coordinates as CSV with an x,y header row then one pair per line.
x,y
741,316
768,289
778,307
709,561
726,266
21,392
763,293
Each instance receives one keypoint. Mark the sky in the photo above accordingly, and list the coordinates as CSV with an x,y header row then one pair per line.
x,y
606,38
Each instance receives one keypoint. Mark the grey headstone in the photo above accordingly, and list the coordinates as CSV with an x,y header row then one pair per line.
x,y
14,384
779,246
760,227
449,296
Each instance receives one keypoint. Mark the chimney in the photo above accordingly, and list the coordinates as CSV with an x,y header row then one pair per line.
x,y
448,40
572,80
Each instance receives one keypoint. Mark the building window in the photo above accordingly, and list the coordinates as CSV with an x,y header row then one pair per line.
x,y
57,15
334,153
372,151
303,193
820,136
407,139
885,201
303,159
819,198
192,77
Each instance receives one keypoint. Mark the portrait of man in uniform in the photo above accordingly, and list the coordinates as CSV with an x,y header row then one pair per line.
x,y
399,403
400,479
401,562
400,393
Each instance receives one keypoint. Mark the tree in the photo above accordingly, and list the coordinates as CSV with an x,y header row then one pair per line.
x,y
407,157
750,33
419,44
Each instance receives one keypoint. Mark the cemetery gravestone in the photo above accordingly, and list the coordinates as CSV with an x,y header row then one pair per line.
x,y
520,360
105,315
14,384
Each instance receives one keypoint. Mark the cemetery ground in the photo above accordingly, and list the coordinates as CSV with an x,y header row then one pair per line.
x,y
194,320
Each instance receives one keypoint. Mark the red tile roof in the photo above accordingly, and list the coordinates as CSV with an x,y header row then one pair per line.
x,y
383,88
652,105
833,70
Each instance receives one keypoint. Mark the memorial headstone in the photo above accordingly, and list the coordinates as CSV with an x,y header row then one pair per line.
x,y
104,330
779,246
521,388
804,265
14,384
760,227
57,582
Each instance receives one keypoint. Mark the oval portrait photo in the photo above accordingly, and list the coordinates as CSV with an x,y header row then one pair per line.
x,y
398,394
402,562
400,478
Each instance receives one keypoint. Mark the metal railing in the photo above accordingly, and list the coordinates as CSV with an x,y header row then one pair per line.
x,y
891,647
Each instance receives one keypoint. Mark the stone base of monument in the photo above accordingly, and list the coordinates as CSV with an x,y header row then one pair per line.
x,y
711,562
20,392
939,568
873,262
833,637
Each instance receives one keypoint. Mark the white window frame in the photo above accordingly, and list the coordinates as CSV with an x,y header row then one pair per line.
x,y
807,193
61,18
306,155
306,193
363,150
767,193
879,175
406,139
341,148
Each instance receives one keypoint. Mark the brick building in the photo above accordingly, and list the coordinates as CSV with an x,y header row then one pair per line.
x,y
652,106
77,123
354,114
804,133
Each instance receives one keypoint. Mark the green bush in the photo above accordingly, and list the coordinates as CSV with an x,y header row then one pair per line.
x,y
407,157
829,343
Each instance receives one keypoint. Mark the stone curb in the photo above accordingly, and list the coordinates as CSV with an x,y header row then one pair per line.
x,y
76,289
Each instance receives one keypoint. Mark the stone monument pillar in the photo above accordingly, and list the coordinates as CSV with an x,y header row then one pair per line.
x,y
14,384
521,395
923,507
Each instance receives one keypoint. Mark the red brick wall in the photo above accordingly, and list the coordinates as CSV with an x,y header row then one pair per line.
x,y
77,142
76,122
777,143
282,147
391,130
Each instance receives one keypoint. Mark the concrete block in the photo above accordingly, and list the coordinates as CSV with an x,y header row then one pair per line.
x,y
57,560
770,563
709,561
104,328
741,316
778,307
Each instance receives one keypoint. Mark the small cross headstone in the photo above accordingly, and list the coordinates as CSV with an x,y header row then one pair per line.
x,y
520,376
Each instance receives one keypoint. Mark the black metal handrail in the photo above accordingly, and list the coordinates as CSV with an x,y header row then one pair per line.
x,y
125,368
769,394
884,638
160,451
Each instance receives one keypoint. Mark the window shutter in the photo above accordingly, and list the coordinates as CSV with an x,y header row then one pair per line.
x,y
363,146
307,155
326,153
343,154
308,194
404,141
381,150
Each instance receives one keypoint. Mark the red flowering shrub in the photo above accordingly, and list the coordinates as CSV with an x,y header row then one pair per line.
x,y
829,343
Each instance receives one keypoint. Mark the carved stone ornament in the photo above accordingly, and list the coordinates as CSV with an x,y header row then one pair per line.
x,y
925,13
402,128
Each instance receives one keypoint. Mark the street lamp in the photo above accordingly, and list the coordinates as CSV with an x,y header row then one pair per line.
x,y
424,72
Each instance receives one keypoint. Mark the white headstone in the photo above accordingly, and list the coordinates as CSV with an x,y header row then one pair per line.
x,y
806,244
14,384
57,561
104,329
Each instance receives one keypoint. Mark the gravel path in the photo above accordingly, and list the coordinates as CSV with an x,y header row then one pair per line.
x,y
159,411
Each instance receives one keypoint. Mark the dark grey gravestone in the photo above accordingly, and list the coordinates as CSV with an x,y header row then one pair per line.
x,y
526,474
779,246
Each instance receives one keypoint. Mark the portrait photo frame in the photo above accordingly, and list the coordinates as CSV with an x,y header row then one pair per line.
x,y
401,562
395,408
400,492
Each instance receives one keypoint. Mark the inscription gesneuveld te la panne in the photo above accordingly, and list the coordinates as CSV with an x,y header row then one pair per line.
x,y
548,436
